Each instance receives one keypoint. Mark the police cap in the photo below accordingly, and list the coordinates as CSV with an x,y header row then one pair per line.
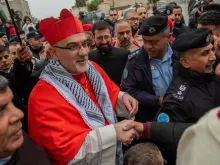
x,y
196,38
154,25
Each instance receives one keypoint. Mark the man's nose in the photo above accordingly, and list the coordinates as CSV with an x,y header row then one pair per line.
x,y
16,114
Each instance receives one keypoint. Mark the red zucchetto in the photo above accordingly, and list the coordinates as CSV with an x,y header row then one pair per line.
x,y
55,30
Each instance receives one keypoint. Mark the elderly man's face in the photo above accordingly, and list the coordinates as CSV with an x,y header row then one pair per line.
x,y
155,45
75,57
11,137
123,34
142,12
133,19
200,60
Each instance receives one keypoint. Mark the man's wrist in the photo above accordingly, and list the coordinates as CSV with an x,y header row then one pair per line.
x,y
147,131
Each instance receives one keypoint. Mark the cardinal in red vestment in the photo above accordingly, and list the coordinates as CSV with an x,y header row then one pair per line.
x,y
72,109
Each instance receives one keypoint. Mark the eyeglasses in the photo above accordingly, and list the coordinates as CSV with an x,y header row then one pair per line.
x,y
133,19
113,15
73,46
5,57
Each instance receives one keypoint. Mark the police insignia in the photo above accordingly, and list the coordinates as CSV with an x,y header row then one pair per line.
x,y
151,29
125,73
182,88
181,92
208,38
163,118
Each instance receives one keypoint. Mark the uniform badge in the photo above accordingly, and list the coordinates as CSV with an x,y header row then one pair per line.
x,y
163,118
125,73
182,88
151,29
181,92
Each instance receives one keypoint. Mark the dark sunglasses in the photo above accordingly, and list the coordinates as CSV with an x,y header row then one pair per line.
x,y
113,15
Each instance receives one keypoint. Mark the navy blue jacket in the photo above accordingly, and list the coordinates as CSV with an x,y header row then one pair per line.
x,y
137,81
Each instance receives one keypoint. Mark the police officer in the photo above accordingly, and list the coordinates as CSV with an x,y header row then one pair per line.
x,y
149,71
192,93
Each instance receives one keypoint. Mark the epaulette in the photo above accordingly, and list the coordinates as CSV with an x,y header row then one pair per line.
x,y
133,54
181,91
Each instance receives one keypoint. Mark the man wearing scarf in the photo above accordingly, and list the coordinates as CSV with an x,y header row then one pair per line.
x,y
72,109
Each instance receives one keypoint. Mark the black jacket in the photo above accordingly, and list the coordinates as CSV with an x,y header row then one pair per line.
x,y
179,29
18,78
189,97
36,52
29,154
137,81
113,63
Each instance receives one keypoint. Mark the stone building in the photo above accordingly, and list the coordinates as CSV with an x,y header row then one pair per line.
x,y
21,7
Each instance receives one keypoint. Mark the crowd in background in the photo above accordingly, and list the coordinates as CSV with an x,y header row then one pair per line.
x,y
169,68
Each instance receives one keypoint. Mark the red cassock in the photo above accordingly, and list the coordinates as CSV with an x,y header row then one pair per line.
x,y
56,125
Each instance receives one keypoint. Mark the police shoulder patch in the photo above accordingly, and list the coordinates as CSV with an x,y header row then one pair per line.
x,y
133,54
181,91
125,73
163,118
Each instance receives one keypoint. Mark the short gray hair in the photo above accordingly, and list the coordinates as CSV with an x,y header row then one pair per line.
x,y
129,11
121,21
3,84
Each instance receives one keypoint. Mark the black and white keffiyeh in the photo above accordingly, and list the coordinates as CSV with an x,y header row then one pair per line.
x,y
56,75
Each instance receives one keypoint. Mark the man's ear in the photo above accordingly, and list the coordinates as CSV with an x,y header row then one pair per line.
x,y
93,36
185,62
52,53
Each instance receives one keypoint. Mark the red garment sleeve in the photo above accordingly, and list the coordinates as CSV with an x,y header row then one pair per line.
x,y
112,88
12,31
54,124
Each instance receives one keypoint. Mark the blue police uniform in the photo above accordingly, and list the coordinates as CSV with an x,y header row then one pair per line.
x,y
137,81
162,73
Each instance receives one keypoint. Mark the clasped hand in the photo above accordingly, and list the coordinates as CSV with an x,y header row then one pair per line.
x,y
128,130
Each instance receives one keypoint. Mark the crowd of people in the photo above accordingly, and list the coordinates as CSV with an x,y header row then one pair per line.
x,y
140,90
